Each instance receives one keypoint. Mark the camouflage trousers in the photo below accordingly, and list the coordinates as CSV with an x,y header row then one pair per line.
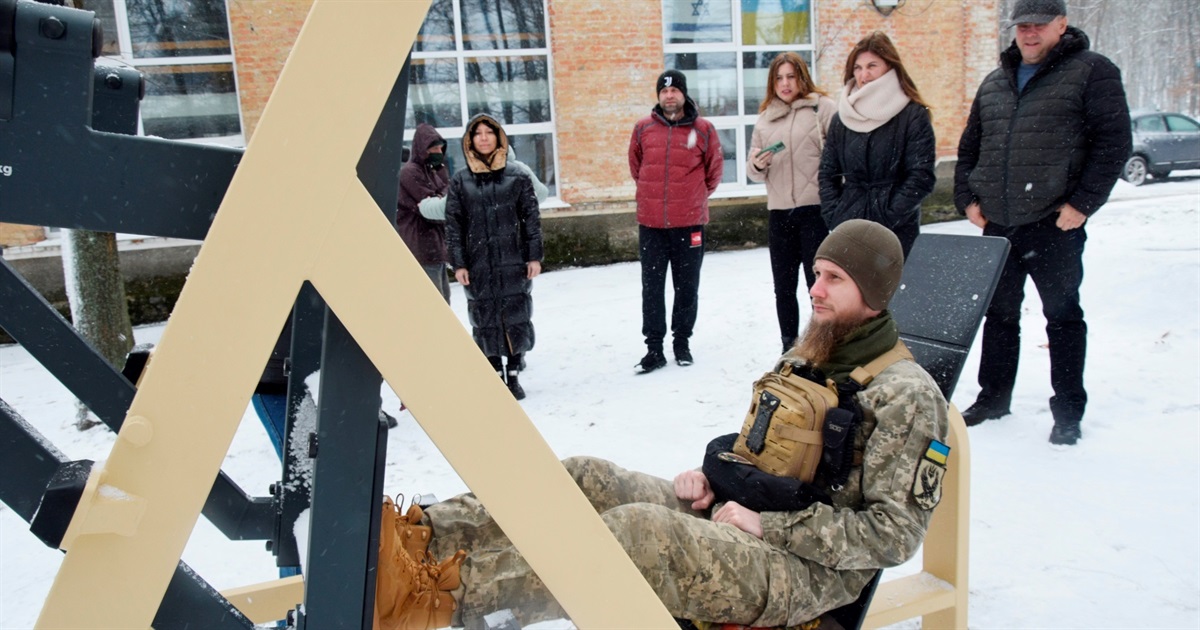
x,y
701,570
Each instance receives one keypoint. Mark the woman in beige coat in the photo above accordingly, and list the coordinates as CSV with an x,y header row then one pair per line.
x,y
795,113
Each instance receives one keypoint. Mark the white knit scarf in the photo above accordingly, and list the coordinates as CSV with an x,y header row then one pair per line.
x,y
867,108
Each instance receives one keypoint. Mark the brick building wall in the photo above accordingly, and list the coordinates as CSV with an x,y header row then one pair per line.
x,y
947,47
262,34
15,235
606,56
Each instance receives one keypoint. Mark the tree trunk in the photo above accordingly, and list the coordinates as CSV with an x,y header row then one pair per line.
x,y
96,293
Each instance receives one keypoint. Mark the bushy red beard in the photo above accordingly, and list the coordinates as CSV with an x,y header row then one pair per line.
x,y
820,339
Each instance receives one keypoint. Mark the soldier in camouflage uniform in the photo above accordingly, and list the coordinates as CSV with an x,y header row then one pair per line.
x,y
722,562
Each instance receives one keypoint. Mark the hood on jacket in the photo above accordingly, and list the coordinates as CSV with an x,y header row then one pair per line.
x,y
1073,41
482,163
691,112
424,138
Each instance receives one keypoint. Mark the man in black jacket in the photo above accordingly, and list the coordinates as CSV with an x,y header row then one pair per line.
x,y
1045,142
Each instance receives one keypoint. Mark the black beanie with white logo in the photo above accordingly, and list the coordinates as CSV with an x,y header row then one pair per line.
x,y
672,78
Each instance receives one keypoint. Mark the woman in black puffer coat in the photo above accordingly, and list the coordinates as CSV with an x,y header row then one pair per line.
x,y
494,238
879,155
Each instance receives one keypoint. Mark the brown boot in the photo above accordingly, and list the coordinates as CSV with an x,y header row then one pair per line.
x,y
433,605
398,574
413,535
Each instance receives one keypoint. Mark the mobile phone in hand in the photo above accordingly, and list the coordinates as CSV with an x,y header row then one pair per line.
x,y
774,148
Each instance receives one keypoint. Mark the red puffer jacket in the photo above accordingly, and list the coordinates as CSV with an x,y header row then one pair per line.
x,y
676,165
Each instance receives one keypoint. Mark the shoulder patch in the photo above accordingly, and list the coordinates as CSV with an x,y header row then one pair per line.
x,y
927,484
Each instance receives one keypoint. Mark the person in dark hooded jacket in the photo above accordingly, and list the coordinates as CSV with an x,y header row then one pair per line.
x,y
494,238
420,205
879,155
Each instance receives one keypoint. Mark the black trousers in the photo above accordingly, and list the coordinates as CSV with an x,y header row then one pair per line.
x,y
513,362
1054,259
793,237
681,249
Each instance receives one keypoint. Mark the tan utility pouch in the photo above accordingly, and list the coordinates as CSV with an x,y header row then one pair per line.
x,y
783,431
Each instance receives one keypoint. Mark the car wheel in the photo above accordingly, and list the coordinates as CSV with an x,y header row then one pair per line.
x,y
1135,170
1160,174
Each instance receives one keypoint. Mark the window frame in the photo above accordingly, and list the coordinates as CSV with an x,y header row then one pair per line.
x,y
743,119
460,54
125,57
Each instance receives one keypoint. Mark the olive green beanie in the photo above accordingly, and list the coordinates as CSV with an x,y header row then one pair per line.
x,y
870,254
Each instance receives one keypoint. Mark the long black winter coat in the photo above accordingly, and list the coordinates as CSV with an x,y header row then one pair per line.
x,y
493,229
1064,139
882,175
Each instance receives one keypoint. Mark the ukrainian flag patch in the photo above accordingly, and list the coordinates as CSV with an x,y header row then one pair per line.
x,y
937,452
927,484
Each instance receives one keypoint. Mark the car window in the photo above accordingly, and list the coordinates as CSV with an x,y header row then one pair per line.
x,y
1179,123
1150,123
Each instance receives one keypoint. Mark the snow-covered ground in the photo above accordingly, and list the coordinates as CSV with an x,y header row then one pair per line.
x,y
1105,534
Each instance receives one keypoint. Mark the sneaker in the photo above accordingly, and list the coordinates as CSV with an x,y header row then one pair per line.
x,y
983,411
1065,433
653,360
683,356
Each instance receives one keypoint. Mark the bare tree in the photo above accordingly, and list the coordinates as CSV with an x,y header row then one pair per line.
x,y
96,293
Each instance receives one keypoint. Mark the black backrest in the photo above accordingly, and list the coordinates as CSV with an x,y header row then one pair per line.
x,y
945,291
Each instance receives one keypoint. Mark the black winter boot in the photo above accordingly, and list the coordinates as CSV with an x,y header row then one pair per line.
x,y
653,360
1065,433
983,410
514,386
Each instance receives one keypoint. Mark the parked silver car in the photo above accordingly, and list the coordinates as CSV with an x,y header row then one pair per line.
x,y
1162,142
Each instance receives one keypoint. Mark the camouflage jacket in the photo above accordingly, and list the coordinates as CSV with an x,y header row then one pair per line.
x,y
874,521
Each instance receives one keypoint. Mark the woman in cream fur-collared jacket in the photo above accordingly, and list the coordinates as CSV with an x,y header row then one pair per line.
x,y
879,155
796,113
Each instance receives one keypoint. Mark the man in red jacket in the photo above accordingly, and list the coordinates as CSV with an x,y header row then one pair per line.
x,y
675,158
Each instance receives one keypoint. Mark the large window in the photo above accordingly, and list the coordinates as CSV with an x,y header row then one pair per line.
x,y
182,47
486,56
725,47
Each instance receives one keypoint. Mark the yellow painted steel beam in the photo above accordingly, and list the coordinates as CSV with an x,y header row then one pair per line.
x,y
939,594
295,210
267,601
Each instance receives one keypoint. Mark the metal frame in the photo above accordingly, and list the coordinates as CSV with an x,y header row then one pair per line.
x,y
326,229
